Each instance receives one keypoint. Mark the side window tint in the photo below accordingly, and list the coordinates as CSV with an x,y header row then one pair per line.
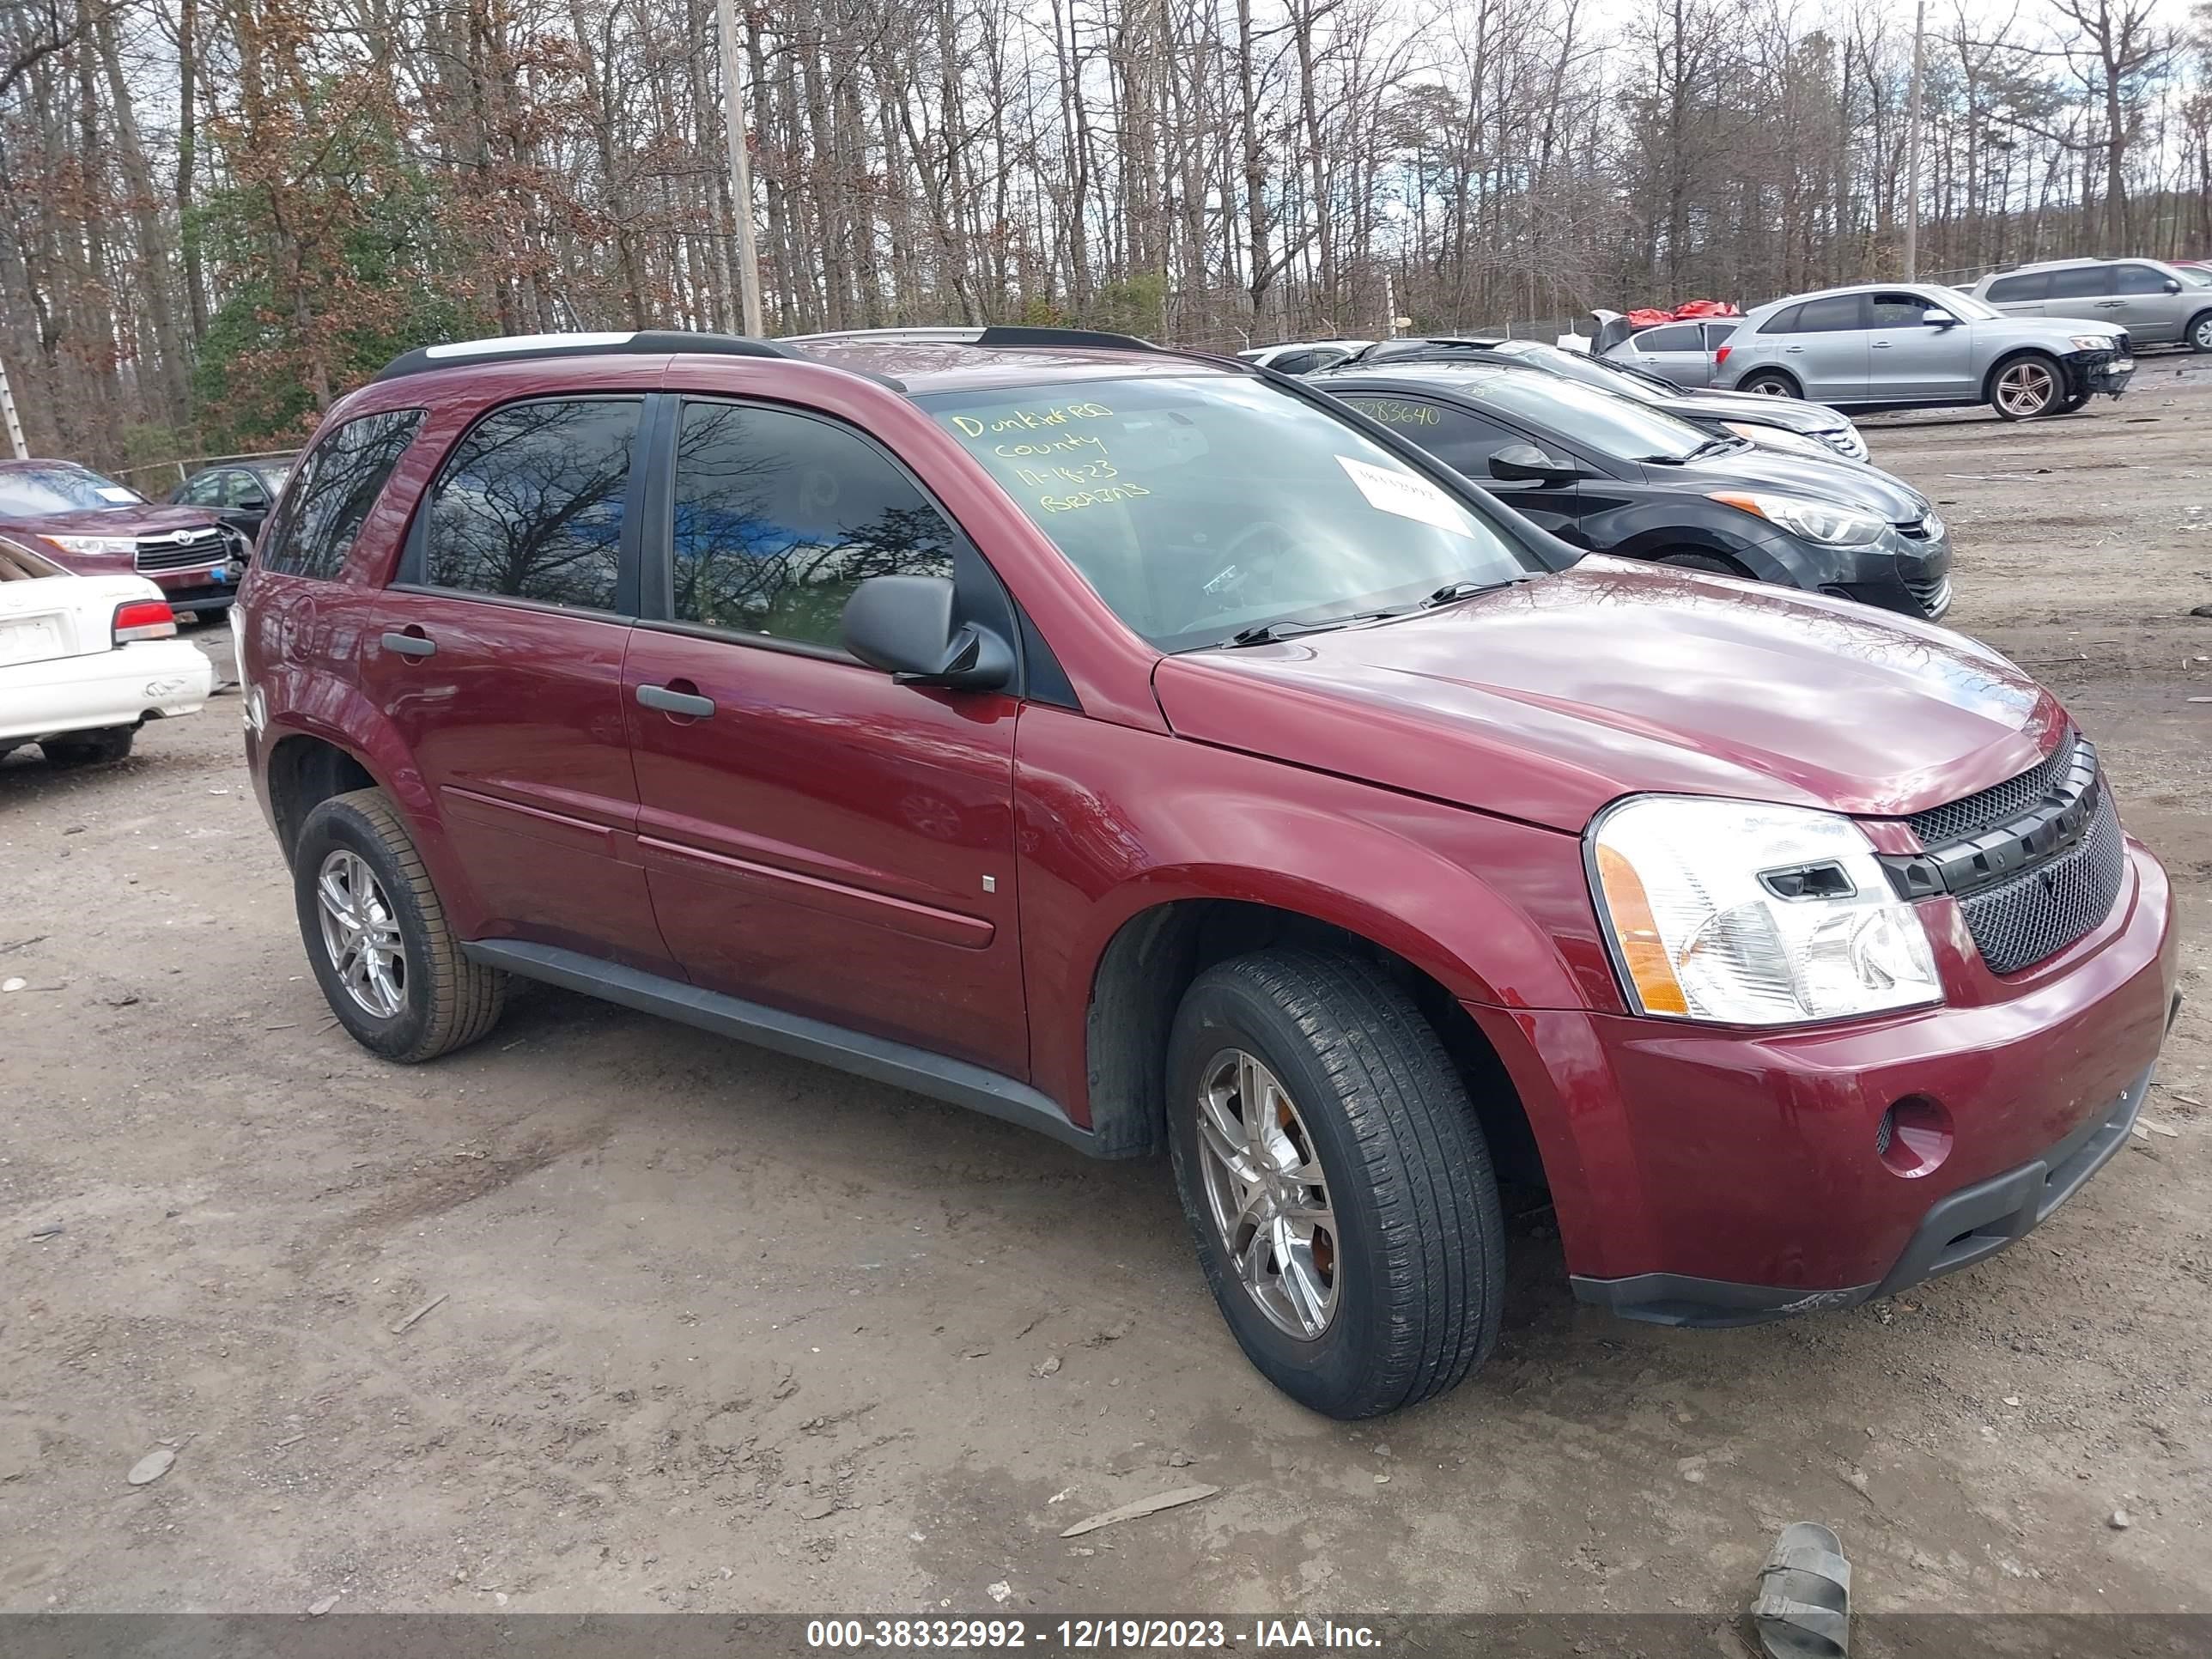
x,y
239,487
1784,321
204,490
779,517
2140,279
332,491
2012,290
1716,334
531,505
1461,442
1667,340
2080,282
1832,315
1898,310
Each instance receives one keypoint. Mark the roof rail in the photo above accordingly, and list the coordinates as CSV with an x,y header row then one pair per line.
x,y
524,347
1021,334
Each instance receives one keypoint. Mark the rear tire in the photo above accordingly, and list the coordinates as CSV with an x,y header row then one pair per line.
x,y
1768,383
2073,403
2027,387
390,966
90,748
1395,1297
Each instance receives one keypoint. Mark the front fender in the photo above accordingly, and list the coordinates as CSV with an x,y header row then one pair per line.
x,y
1652,529
1113,822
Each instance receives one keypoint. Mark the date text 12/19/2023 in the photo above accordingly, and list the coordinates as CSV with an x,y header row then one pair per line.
x,y
1092,1635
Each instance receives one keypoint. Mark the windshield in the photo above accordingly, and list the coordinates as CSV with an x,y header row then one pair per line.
x,y
2194,276
1612,425
1201,507
59,487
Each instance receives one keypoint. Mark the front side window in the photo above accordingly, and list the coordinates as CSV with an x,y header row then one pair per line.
x,y
531,505
779,516
2140,279
204,490
1902,310
43,487
339,483
1201,506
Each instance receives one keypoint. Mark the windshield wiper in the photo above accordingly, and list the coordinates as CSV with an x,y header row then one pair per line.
x,y
1717,446
1466,590
1274,633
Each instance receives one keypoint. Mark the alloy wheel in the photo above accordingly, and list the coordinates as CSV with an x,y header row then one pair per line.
x,y
361,933
2201,336
2026,389
1267,1193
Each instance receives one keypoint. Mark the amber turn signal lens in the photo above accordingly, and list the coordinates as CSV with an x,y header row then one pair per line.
x,y
1642,952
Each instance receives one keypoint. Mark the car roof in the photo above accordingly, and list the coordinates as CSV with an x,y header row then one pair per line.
x,y
923,365
2068,265
1831,294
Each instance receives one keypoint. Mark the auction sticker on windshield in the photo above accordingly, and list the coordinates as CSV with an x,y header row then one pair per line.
x,y
1407,496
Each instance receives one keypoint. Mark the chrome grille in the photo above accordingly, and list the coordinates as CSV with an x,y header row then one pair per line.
x,y
198,547
1998,804
2039,912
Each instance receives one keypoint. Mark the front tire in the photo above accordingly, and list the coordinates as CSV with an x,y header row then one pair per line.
x,y
390,966
2198,334
2027,387
1335,1180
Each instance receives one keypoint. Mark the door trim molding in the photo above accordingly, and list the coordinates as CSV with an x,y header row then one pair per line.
x,y
879,1059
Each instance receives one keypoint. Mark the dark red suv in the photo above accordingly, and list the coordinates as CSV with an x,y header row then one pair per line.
x,y
93,526
1144,748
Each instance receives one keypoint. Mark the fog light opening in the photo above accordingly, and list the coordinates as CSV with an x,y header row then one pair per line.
x,y
1913,1137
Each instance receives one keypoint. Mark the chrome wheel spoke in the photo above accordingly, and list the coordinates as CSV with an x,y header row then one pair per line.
x,y
361,935
1267,1193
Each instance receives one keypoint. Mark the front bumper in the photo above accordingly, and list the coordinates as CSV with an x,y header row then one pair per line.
x,y
1716,1175
2107,373
1909,574
191,590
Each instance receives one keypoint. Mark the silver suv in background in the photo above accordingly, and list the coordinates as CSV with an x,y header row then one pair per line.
x,y
2157,303
1883,345
1681,352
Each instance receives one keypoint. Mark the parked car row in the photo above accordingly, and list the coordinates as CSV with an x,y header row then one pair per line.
x,y
1172,756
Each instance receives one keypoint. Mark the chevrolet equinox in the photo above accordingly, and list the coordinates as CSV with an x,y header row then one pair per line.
x,y
1142,747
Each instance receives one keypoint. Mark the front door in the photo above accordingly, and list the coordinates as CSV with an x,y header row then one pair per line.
x,y
1465,441
817,837
2146,310
1909,358
498,657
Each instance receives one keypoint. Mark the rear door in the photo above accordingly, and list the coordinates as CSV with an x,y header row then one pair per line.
x,y
2083,291
2021,295
819,838
497,654
1676,352
1827,353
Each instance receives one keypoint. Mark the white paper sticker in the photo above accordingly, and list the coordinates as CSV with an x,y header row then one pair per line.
x,y
1407,495
116,493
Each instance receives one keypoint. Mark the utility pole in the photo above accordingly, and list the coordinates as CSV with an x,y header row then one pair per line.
x,y
741,171
8,411
1911,148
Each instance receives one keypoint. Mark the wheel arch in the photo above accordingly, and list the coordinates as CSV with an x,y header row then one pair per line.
x,y
2012,355
1774,370
1138,982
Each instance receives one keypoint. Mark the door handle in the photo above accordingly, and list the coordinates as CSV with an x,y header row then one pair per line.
x,y
675,702
1793,348
2110,304
410,645
1881,345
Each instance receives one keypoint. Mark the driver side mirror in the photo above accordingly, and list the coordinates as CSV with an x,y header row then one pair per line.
x,y
2172,285
1527,464
1936,317
904,624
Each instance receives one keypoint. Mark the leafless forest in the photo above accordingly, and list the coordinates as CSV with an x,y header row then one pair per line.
x,y
217,214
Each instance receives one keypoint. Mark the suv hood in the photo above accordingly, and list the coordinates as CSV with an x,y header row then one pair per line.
x,y
130,518
1846,483
1547,700
2050,333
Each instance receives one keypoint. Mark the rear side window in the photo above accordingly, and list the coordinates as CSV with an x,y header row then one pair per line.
x,y
2012,290
1830,316
531,505
2080,282
779,517
1784,321
336,484
1682,338
2140,279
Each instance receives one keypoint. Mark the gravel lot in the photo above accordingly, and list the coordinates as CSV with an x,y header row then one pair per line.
x,y
721,1330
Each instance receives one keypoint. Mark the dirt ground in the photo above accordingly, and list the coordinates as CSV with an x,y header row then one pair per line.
x,y
714,1330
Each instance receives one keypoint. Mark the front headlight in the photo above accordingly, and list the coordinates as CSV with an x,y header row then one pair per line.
x,y
2093,342
1816,522
1753,915
91,545
1775,437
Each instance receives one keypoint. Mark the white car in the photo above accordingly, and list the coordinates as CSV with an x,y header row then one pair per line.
x,y
86,660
